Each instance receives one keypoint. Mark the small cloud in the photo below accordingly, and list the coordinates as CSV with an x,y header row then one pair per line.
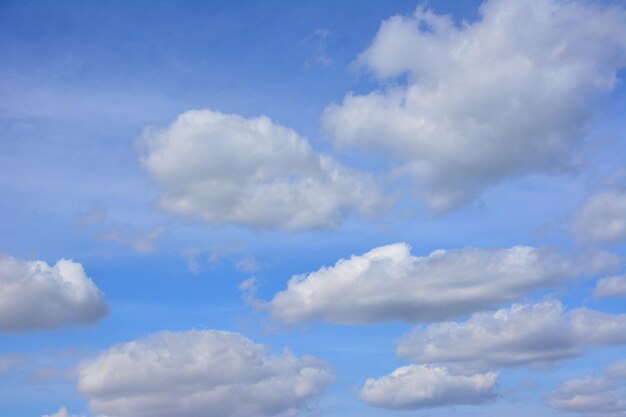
x,y
84,219
319,55
143,242
9,362
247,264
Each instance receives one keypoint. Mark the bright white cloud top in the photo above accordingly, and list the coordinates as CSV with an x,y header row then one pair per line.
x,y
35,295
224,168
521,335
200,373
388,283
484,101
426,386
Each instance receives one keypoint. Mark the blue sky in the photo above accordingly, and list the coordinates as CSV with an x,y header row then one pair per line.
x,y
429,200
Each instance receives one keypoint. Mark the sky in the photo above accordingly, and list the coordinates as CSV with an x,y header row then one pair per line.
x,y
312,208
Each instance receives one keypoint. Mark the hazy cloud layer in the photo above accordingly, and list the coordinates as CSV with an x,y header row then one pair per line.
x,y
224,168
593,396
200,374
425,386
611,287
35,295
483,101
601,219
521,335
388,283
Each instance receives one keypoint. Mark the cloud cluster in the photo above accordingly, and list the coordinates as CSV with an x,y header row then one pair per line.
x,y
487,100
35,295
521,335
200,374
224,168
425,386
593,396
388,283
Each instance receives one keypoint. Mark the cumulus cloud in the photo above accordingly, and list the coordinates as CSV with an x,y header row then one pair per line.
x,y
425,386
487,100
224,168
200,374
388,283
61,413
592,396
35,295
611,287
601,219
521,335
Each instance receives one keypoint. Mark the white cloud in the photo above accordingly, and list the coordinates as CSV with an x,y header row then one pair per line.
x,y
200,373
388,283
224,168
61,413
142,242
592,396
35,295
521,335
424,386
487,100
601,219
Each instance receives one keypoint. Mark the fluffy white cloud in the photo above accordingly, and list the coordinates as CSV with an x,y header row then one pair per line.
x,y
484,101
61,413
200,374
388,283
424,386
611,287
223,168
35,295
598,396
517,336
601,219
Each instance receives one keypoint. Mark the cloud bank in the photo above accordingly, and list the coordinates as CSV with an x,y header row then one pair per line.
x,y
224,168
35,295
484,101
200,374
388,283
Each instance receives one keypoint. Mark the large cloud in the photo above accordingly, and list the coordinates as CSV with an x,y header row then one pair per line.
x,y
35,295
223,168
388,283
592,396
484,101
521,335
601,219
424,386
200,374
